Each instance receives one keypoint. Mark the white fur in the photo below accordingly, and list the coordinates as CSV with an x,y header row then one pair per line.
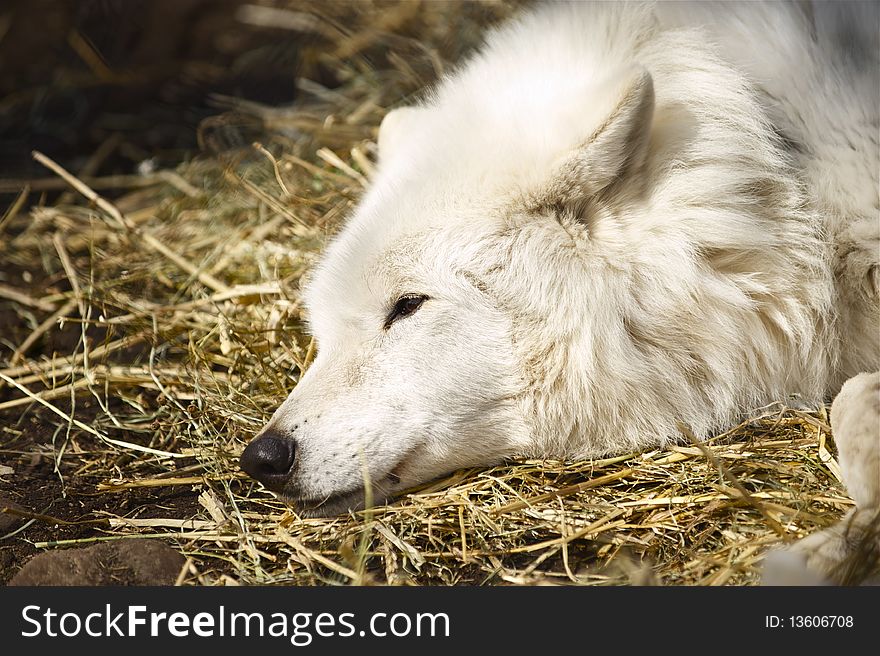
x,y
624,217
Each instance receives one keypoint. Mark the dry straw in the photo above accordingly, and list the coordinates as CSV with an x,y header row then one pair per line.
x,y
182,314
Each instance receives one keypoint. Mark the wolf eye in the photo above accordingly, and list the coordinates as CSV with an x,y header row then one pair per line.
x,y
405,306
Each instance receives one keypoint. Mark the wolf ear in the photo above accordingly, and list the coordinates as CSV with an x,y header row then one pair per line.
x,y
617,146
393,131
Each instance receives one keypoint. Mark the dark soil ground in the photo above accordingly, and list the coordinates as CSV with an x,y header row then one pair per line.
x,y
55,500
56,505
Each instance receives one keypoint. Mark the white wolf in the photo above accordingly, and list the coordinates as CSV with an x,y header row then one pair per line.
x,y
612,221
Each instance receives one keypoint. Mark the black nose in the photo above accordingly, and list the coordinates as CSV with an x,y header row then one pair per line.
x,y
268,459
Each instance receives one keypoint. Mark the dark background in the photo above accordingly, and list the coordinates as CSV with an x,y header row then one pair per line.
x,y
74,74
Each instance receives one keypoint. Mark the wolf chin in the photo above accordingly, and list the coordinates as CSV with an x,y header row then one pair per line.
x,y
612,222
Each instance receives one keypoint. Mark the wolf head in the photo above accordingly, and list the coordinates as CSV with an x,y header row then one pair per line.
x,y
551,262
417,307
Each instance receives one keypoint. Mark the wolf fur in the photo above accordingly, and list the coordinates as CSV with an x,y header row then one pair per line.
x,y
622,218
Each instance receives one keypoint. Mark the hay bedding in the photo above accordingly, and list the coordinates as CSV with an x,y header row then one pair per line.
x,y
147,338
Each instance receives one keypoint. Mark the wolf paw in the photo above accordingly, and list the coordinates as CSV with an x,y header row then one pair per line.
x,y
847,553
